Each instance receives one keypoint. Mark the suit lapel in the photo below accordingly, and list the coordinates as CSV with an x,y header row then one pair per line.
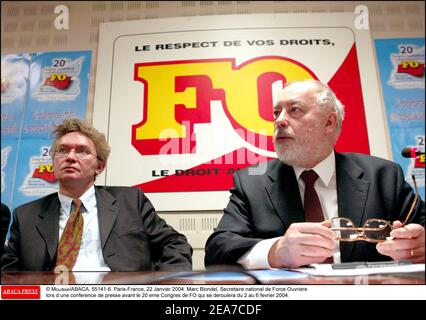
x,y
107,213
352,190
48,227
284,194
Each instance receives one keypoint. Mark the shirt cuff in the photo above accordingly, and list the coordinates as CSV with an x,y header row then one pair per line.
x,y
257,257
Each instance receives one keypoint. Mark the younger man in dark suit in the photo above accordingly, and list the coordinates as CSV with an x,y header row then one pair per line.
x,y
109,228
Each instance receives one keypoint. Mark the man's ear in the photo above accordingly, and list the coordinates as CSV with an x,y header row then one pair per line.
x,y
331,124
100,168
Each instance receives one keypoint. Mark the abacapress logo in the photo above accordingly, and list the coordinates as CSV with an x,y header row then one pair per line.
x,y
20,292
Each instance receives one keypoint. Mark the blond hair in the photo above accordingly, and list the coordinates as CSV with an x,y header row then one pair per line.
x,y
82,126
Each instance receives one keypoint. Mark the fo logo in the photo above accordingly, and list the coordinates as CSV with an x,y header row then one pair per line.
x,y
177,95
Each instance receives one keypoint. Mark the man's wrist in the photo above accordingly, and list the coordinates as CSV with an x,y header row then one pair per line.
x,y
273,259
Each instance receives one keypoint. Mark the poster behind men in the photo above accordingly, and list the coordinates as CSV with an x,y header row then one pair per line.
x,y
39,90
14,86
402,72
186,102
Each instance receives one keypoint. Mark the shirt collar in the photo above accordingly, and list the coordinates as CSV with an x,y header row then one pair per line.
x,y
325,169
88,200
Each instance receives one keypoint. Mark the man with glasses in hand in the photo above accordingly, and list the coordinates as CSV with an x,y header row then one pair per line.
x,y
112,228
293,214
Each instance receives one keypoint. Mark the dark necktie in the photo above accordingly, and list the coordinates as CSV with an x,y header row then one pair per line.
x,y
69,244
312,205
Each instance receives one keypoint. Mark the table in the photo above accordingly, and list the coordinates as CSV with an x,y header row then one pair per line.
x,y
105,278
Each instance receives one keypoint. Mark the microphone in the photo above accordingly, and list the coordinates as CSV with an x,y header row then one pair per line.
x,y
410,152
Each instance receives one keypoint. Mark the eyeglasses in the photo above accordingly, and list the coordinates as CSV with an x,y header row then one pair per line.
x,y
80,152
374,230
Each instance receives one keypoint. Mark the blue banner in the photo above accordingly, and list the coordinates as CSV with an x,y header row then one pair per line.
x,y
14,89
53,87
401,65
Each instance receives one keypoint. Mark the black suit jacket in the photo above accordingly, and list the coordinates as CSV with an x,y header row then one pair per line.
x,y
4,224
264,206
133,236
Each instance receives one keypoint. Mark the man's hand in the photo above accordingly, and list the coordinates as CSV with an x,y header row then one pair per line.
x,y
303,243
408,243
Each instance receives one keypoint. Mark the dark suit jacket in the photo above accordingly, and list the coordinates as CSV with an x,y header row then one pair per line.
x,y
133,236
4,224
264,206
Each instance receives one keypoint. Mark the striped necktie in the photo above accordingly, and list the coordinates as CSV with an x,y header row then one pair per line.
x,y
69,244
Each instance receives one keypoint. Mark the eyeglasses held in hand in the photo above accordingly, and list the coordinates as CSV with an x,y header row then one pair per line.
x,y
374,230
80,153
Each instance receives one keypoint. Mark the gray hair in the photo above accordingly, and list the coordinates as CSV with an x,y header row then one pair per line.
x,y
326,97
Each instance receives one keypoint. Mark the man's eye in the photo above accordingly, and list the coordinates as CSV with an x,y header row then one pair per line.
x,y
82,152
276,114
295,110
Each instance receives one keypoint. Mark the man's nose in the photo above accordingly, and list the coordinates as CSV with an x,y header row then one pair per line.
x,y
72,155
281,120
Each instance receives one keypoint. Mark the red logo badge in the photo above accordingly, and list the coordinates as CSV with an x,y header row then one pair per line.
x,y
20,292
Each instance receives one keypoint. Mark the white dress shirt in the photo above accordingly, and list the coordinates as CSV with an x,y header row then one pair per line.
x,y
90,255
325,186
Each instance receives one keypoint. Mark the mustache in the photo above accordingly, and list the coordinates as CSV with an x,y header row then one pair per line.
x,y
281,133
